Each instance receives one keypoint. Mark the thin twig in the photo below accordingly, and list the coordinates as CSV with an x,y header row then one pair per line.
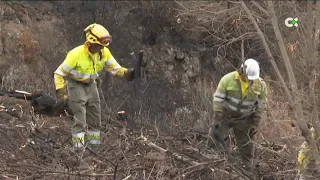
x,y
260,8
265,44
77,174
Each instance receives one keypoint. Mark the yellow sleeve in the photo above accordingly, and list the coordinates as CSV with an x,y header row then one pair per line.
x,y
220,93
263,96
65,69
59,81
111,65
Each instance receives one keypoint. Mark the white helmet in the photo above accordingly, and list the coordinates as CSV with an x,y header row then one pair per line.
x,y
251,69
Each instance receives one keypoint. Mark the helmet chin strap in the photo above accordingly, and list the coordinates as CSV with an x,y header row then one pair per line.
x,y
242,70
243,74
91,48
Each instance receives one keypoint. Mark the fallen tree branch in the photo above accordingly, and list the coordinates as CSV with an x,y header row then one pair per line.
x,y
268,149
144,141
77,174
108,173
191,169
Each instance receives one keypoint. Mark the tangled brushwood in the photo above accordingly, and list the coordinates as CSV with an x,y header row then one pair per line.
x,y
189,46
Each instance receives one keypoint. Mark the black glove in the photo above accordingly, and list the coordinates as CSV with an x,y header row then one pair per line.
x,y
217,119
255,123
129,74
215,135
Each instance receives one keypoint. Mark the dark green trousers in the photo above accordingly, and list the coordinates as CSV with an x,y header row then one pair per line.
x,y
241,128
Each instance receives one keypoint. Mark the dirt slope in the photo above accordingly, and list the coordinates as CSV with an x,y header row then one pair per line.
x,y
35,37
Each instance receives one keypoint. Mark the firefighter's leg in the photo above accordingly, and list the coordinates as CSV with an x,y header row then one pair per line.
x,y
77,99
93,117
244,143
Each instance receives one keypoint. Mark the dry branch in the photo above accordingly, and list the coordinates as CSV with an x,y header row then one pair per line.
x,y
265,45
78,174
293,82
295,99
314,73
107,173
144,141
260,8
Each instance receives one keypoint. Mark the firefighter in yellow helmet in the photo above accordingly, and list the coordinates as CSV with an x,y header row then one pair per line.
x,y
305,163
76,81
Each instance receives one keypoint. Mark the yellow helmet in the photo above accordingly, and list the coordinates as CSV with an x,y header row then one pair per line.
x,y
97,34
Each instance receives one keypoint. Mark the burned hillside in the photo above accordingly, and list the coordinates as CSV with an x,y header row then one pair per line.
x,y
188,46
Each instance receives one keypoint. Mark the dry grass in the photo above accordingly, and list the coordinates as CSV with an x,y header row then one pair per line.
x,y
43,142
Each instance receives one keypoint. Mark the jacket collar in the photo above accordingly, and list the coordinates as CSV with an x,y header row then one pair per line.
x,y
238,76
86,49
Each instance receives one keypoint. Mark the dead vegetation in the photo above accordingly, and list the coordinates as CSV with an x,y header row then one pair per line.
x,y
160,144
39,149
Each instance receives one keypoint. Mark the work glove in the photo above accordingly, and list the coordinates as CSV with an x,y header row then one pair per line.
x,y
129,74
61,95
256,119
218,117
215,135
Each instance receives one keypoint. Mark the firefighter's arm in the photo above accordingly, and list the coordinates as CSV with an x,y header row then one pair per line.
x,y
112,66
261,103
215,134
64,70
220,94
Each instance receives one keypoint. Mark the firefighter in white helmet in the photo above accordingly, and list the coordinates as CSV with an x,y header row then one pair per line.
x,y
238,103
76,80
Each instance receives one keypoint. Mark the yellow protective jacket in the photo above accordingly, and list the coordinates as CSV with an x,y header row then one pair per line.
x,y
304,155
236,96
83,66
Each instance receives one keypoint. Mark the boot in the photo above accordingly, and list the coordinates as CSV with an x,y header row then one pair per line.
x,y
93,139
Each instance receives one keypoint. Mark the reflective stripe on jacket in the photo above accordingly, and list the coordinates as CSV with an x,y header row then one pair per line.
x,y
234,98
83,66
